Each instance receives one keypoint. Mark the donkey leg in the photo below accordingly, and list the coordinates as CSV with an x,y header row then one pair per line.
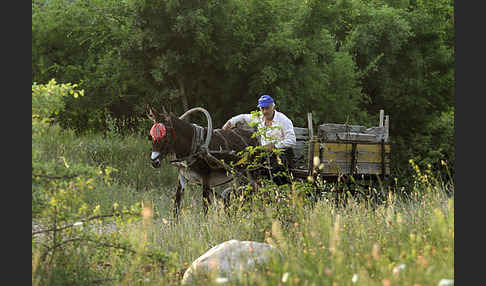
x,y
226,195
207,194
253,182
178,195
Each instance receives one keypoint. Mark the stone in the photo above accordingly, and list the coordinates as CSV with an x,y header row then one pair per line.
x,y
230,259
446,282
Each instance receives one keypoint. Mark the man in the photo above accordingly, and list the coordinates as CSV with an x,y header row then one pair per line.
x,y
278,134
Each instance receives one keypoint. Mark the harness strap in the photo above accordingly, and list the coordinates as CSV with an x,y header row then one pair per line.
x,y
226,145
197,138
197,141
193,142
174,133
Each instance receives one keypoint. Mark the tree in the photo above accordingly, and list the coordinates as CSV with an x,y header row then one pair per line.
x,y
83,41
408,71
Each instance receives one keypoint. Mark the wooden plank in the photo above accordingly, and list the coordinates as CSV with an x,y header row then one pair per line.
x,y
358,160
382,114
353,136
346,147
377,131
309,125
336,152
372,153
335,128
300,146
362,156
361,168
336,158
372,168
373,148
300,153
301,133
340,157
336,147
331,132
387,125
328,137
336,168
371,157
317,151
314,151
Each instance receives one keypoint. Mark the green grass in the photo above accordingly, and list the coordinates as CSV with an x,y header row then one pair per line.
x,y
323,244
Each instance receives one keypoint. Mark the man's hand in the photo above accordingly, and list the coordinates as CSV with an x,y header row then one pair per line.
x,y
227,126
269,147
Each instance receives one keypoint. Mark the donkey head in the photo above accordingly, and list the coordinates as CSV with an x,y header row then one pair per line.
x,y
160,134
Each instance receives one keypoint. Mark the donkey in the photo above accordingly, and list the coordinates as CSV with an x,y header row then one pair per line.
x,y
172,136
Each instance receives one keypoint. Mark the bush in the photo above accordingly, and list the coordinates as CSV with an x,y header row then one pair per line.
x,y
66,219
436,146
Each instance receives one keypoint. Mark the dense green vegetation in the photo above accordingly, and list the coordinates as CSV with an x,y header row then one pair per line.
x,y
344,60
102,215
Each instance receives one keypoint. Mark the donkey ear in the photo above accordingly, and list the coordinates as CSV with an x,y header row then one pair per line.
x,y
166,115
151,113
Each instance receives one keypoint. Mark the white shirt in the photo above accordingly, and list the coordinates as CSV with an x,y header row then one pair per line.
x,y
281,138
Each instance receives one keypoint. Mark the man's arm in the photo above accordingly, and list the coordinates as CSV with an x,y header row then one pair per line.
x,y
238,118
288,135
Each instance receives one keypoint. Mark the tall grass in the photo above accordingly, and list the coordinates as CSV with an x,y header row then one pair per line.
x,y
128,157
407,240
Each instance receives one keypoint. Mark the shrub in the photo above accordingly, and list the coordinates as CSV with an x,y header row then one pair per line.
x,y
69,235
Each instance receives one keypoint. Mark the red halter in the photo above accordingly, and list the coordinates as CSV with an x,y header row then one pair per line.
x,y
158,132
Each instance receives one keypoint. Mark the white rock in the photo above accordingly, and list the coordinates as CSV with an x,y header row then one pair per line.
x,y
230,259
446,282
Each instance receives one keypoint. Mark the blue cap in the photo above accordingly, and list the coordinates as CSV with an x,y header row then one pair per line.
x,y
265,100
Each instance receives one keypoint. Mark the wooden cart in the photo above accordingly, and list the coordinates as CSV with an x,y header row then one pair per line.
x,y
337,152
342,150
